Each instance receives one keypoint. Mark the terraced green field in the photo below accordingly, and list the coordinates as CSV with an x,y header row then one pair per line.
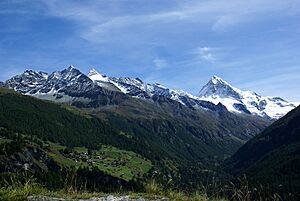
x,y
116,162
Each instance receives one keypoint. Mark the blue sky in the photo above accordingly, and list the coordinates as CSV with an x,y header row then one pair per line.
x,y
254,45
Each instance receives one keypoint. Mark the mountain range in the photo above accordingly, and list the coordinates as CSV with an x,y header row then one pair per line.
x,y
184,145
178,138
181,127
71,85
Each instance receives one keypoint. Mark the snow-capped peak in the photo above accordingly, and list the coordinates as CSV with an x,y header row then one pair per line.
x,y
215,79
71,67
93,71
70,73
63,85
96,76
217,87
219,91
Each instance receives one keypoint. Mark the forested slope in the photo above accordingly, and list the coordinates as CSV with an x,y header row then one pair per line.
x,y
273,157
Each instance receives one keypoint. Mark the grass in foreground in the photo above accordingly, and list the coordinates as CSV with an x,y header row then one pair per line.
x,y
20,193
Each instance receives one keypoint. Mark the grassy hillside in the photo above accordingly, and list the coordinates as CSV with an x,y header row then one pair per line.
x,y
176,139
121,164
112,147
207,133
42,136
160,138
54,122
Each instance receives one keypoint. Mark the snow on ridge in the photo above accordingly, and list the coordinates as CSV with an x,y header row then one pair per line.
x,y
237,100
95,76
215,91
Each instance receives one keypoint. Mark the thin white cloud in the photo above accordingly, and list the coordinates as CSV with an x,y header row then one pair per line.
x,y
108,22
160,63
98,25
225,22
207,54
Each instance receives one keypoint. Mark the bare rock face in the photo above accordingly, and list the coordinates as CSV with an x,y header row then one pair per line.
x,y
107,198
